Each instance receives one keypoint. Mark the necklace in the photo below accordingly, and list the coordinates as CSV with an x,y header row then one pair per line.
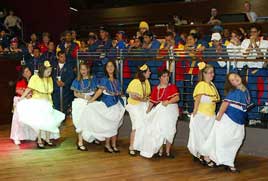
x,y
82,85
158,92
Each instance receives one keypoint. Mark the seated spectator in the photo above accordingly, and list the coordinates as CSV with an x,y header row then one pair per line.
x,y
214,19
217,48
74,37
251,15
136,46
43,46
33,61
143,27
34,39
12,23
50,54
234,48
4,39
149,42
120,37
105,42
1,49
168,42
14,46
83,46
92,45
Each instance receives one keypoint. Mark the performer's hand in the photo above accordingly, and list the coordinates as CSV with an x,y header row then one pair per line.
x,y
194,113
147,111
60,83
165,103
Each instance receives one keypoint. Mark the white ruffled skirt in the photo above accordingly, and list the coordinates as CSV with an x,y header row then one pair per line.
x,y
137,114
200,128
40,115
97,121
78,105
224,141
159,127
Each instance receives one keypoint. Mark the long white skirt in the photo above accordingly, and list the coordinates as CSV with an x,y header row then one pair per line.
x,y
40,115
224,141
200,128
20,131
78,105
159,127
137,114
98,121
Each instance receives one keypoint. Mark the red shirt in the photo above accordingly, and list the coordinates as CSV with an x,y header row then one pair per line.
x,y
43,47
22,84
163,94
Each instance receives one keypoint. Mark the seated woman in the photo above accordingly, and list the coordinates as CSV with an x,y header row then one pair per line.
x,y
160,123
84,88
101,120
139,90
37,112
21,131
228,131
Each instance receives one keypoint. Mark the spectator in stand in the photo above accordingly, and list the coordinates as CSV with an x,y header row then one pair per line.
x,y
143,27
34,39
29,51
234,48
149,42
214,19
69,47
3,14
105,42
12,23
43,46
168,42
14,46
251,15
4,39
120,37
83,46
1,49
34,61
74,37
92,42
50,54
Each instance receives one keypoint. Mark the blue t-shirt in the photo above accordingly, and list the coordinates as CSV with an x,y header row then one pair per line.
x,y
84,86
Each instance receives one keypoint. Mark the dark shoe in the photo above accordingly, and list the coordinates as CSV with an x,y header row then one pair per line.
x,y
211,164
231,169
48,143
81,147
202,161
116,150
96,142
108,150
40,145
195,159
170,156
132,153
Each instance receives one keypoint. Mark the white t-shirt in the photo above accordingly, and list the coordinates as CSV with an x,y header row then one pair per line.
x,y
11,21
262,44
252,16
235,52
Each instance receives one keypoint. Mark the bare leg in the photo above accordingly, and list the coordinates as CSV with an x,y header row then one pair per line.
x,y
132,136
80,139
39,139
107,147
168,147
114,147
47,137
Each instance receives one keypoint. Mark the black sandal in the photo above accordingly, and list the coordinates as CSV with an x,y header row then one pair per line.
x,y
115,149
96,142
132,152
231,169
170,156
40,145
49,143
108,150
211,164
202,161
82,147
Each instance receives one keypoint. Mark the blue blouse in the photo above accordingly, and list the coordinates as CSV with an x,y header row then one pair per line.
x,y
84,86
112,92
237,109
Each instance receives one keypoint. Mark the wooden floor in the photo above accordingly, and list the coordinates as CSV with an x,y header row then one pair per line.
x,y
64,162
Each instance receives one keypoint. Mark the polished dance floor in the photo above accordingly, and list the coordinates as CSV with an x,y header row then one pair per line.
x,y
65,162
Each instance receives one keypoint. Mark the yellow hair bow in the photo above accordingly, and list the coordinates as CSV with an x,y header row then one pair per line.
x,y
47,64
201,65
144,67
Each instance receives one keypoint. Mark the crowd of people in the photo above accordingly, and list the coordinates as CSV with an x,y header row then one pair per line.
x,y
51,86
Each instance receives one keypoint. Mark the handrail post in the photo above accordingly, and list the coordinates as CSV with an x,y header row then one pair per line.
x,y
171,64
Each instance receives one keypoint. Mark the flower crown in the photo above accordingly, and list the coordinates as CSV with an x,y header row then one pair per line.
x,y
47,64
144,67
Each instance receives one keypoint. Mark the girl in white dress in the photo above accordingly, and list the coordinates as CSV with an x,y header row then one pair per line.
x,y
228,131
37,112
161,120
203,116
84,88
139,90
101,119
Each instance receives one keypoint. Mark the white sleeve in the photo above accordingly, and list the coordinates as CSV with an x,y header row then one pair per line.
x,y
253,16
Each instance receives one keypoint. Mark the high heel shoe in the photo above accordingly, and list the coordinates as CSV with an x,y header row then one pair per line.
x,y
170,156
108,150
115,149
40,145
81,147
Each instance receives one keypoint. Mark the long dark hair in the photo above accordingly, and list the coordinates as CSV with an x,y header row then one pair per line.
x,y
21,72
228,87
140,74
115,69
41,70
